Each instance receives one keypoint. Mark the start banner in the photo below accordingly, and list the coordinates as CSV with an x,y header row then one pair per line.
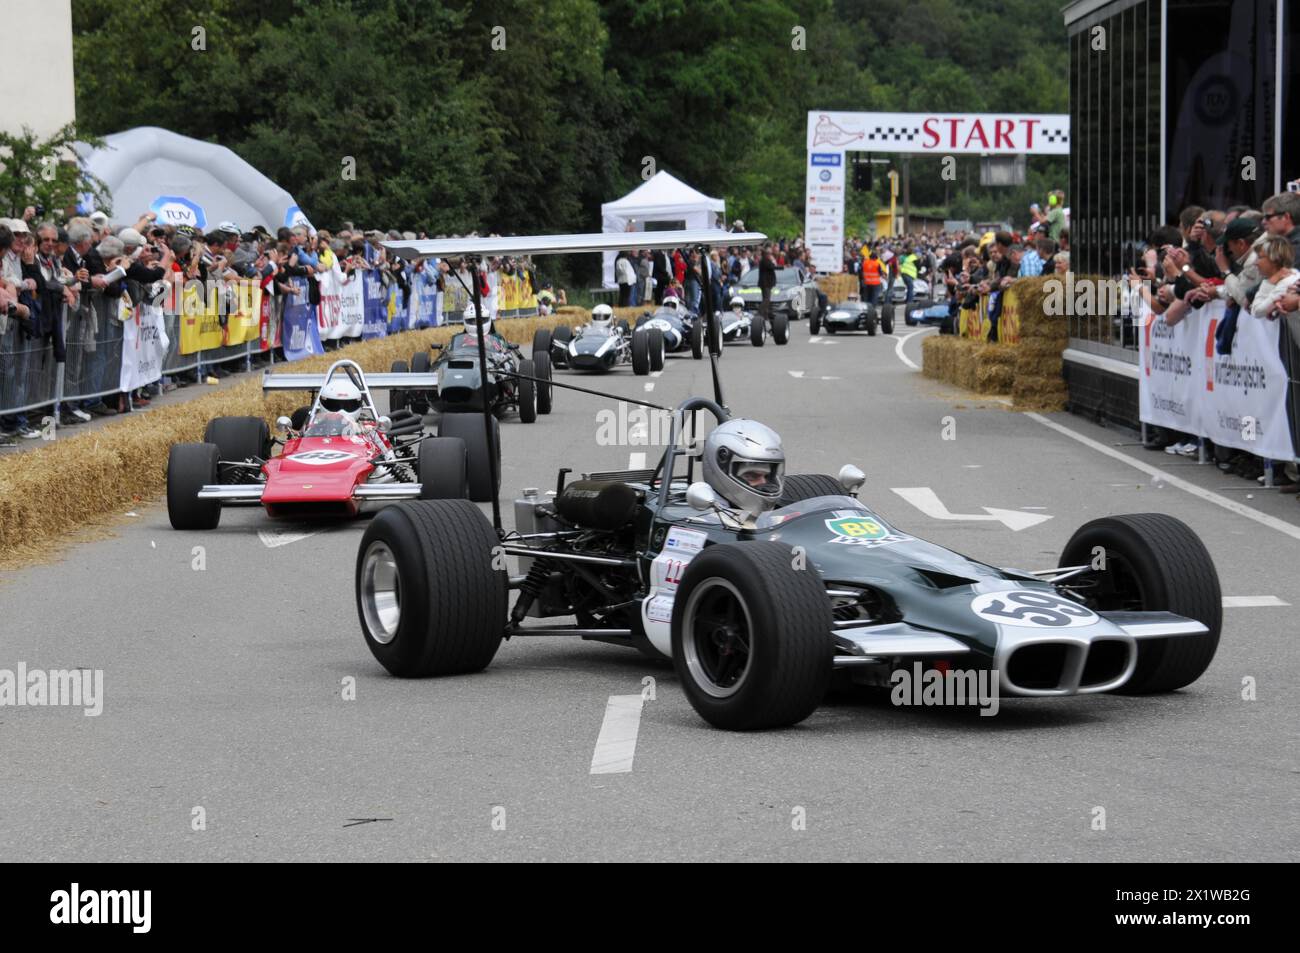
x,y
1237,400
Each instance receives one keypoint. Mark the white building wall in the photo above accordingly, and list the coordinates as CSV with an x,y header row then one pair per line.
x,y
40,94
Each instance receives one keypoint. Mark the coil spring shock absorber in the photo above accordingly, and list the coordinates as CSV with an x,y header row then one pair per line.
x,y
530,588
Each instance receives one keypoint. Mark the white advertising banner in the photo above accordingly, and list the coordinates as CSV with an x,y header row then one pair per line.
x,y
144,345
331,305
352,306
824,210
1173,371
1236,400
993,134
1246,392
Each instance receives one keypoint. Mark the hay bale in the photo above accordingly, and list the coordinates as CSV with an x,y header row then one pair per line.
x,y
837,288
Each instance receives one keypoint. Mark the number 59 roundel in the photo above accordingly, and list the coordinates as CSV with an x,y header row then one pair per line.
x,y
1036,609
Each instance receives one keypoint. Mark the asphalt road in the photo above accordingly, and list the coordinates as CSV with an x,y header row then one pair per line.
x,y
223,686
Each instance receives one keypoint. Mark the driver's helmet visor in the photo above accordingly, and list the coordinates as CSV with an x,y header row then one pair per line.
x,y
340,406
761,476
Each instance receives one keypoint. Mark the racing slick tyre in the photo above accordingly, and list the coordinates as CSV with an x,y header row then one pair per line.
x,y
1153,562
656,349
697,341
623,326
641,353
239,438
830,328
397,399
545,392
469,428
428,597
757,330
418,400
527,393
298,419
191,466
750,636
814,323
872,321
807,486
542,341
560,339
443,469
781,328
887,319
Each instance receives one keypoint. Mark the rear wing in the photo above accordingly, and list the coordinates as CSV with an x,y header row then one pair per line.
x,y
426,381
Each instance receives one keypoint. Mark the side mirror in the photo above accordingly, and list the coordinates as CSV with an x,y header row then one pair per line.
x,y
700,496
385,422
436,347
283,424
851,478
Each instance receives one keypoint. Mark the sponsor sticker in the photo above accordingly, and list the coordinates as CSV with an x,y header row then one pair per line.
x,y
660,609
684,541
859,530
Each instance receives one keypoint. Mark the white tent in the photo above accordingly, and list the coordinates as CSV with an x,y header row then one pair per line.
x,y
660,203
186,181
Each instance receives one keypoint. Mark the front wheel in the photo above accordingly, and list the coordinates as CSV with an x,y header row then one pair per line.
x,y
470,429
781,328
887,319
656,350
641,353
697,341
429,597
814,323
190,467
443,469
1152,563
751,636
545,392
527,393
757,330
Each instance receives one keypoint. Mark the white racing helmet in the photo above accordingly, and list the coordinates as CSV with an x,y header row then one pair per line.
x,y
340,395
470,318
744,464
673,303
602,315
737,303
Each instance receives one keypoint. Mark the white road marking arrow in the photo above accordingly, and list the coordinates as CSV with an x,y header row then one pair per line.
x,y
1252,602
272,538
821,340
798,375
928,502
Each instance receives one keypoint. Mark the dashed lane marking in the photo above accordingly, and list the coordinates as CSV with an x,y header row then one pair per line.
x,y
616,744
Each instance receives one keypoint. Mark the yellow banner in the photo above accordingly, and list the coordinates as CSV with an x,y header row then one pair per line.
x,y
515,293
974,322
201,315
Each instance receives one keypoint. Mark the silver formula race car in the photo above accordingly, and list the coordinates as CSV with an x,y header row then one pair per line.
x,y
603,345
739,324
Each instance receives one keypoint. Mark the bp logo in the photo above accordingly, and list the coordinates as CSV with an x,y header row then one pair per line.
x,y
824,175
861,531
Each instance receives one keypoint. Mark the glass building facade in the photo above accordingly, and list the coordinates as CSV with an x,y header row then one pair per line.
x,y
1175,103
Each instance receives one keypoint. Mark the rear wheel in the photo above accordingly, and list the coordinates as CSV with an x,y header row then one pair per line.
x,y
545,392
191,466
527,393
814,323
697,340
806,486
780,328
238,439
443,469
656,349
542,340
420,362
623,326
751,636
397,399
757,330
887,319
560,339
469,428
1153,562
641,353
428,597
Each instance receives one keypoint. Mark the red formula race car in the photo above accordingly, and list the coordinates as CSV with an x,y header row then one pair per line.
x,y
336,455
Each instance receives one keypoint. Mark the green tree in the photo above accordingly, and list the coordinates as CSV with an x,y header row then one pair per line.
x,y
45,173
